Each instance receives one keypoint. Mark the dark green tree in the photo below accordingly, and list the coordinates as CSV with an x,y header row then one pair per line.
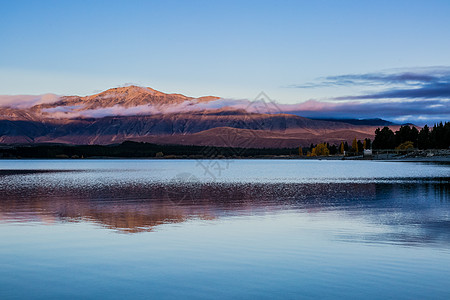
x,y
423,139
360,146
384,139
333,149
406,134
439,136
446,136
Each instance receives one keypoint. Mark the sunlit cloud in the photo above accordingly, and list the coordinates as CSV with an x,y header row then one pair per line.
x,y
26,101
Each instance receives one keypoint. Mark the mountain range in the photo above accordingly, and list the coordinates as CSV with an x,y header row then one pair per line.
x,y
147,115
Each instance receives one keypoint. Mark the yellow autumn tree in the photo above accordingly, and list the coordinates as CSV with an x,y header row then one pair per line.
x,y
342,148
320,150
355,146
365,144
405,146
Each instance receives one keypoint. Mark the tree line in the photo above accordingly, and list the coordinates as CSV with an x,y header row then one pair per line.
x,y
325,149
438,137
137,149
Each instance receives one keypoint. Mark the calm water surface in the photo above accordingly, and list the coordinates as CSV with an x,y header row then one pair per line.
x,y
224,229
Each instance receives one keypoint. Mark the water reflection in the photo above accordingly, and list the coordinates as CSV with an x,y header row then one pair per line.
x,y
410,212
118,230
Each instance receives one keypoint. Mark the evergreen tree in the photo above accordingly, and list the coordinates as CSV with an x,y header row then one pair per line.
x,y
446,137
414,136
423,139
384,139
406,134
333,149
360,146
436,138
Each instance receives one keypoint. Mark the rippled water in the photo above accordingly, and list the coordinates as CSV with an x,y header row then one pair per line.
x,y
224,229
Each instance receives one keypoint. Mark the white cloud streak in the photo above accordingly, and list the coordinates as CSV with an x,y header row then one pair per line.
x,y
26,101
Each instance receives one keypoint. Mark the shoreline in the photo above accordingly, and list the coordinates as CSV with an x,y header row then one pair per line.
x,y
152,151
438,159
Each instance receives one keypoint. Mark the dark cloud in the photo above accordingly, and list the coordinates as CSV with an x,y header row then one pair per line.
x,y
431,82
373,79
428,91
377,79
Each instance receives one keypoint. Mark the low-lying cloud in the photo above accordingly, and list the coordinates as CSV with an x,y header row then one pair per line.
x,y
418,112
26,101
184,107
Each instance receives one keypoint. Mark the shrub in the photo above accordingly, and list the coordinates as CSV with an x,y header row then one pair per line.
x,y
406,145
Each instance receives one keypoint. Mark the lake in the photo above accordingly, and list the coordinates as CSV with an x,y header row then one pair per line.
x,y
238,229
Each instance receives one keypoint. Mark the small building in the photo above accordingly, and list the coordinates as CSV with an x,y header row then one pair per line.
x,y
367,153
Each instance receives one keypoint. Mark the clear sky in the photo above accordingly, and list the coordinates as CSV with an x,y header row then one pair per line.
x,y
289,49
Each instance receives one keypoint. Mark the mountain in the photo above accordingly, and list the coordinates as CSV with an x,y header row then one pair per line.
x,y
129,96
144,114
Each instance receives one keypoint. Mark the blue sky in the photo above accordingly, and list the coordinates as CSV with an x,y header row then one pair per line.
x,y
288,49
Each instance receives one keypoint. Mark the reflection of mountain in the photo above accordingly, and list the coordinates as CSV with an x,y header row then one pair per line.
x,y
136,208
144,114
141,208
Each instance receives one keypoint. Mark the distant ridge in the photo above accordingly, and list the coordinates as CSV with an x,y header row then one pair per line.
x,y
369,122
